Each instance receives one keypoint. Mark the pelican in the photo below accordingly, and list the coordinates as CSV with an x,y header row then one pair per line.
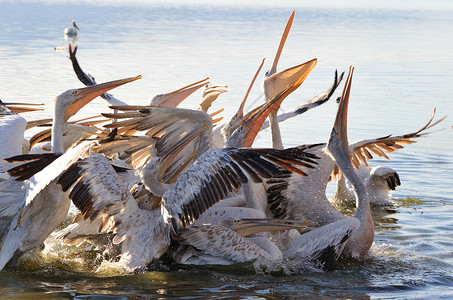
x,y
71,32
274,82
42,206
338,148
145,233
379,181
304,198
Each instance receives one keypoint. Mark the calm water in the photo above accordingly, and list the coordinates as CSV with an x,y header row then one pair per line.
x,y
404,68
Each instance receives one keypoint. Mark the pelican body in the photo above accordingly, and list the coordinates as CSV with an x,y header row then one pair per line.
x,y
71,31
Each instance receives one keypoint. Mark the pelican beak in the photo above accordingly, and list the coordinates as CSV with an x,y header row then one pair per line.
x,y
167,158
247,227
75,25
240,112
86,94
252,122
36,123
341,120
282,43
23,107
173,99
294,76
238,118
210,96
44,135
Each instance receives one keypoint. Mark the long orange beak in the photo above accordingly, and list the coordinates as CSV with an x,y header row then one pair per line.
x,y
18,108
240,112
292,76
252,122
341,120
273,69
86,94
173,99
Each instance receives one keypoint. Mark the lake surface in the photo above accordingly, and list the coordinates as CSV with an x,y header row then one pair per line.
x,y
403,57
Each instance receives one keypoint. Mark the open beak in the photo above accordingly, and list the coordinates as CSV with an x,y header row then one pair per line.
x,y
341,120
167,158
18,108
252,122
44,135
173,99
86,94
247,227
240,112
295,76
36,123
273,69
210,88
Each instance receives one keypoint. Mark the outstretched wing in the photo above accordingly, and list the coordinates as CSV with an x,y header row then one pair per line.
x,y
364,150
100,195
221,171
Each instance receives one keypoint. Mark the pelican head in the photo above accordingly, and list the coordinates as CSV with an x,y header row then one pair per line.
x,y
174,98
71,101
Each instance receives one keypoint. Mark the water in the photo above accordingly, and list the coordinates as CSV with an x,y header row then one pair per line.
x,y
404,66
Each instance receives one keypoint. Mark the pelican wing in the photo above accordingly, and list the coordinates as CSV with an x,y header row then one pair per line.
x,y
96,190
364,150
220,171
323,245
223,243
164,126
49,175
103,200
87,79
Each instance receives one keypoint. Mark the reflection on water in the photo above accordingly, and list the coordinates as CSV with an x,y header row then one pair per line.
x,y
404,68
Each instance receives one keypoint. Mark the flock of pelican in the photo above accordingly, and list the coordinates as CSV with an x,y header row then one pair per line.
x,y
160,181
